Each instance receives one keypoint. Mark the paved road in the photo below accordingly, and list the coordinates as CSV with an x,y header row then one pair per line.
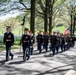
x,y
39,64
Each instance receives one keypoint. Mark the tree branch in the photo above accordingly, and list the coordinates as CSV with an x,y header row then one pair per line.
x,y
24,5
41,5
39,12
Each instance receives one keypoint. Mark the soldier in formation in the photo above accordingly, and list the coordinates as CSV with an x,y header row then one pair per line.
x,y
8,40
57,41
25,42
32,41
45,39
39,41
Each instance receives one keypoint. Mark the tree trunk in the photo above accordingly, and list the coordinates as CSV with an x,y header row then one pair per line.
x,y
71,25
45,16
74,25
32,19
50,18
45,24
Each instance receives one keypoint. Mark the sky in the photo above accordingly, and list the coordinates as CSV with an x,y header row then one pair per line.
x,y
9,15
12,13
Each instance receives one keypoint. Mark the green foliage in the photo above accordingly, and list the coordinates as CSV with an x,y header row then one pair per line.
x,y
61,10
1,1
1,28
16,45
60,28
14,23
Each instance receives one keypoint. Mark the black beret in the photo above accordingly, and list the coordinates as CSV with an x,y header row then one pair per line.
x,y
26,29
8,26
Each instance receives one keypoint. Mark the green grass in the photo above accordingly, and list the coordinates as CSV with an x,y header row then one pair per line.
x,y
16,46
18,30
2,48
61,29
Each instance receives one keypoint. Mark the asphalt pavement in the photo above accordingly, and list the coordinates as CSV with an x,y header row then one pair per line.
x,y
38,64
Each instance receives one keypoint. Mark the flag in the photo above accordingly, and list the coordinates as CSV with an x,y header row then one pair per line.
x,y
67,31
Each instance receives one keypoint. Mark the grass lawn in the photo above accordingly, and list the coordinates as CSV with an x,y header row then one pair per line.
x,y
60,29
16,46
2,48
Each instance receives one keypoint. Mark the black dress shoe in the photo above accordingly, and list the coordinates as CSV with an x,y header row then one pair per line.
x,y
6,59
12,57
28,57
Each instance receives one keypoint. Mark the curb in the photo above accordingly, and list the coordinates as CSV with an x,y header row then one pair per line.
x,y
71,72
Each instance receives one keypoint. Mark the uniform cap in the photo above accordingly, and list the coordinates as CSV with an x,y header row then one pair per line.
x,y
26,29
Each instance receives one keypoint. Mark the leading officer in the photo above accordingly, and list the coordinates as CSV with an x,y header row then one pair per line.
x,y
8,41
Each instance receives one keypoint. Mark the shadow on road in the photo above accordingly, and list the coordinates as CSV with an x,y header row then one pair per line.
x,y
10,70
16,62
2,62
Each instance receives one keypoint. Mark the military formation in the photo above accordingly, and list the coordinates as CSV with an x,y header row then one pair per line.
x,y
45,41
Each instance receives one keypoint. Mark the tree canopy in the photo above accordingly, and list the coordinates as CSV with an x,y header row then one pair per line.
x,y
42,14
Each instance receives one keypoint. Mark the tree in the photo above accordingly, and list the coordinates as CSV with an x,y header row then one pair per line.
x,y
32,19
12,22
51,4
71,6
41,10
46,15
48,10
74,23
22,6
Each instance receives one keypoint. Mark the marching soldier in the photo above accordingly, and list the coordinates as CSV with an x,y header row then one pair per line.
x,y
62,42
50,40
72,41
53,42
65,43
39,41
32,41
25,42
69,41
57,41
45,41
8,41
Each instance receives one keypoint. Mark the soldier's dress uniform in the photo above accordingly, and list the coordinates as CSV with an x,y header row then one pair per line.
x,y
8,41
69,42
65,43
57,43
53,43
45,41
25,42
72,41
32,41
62,42
39,42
